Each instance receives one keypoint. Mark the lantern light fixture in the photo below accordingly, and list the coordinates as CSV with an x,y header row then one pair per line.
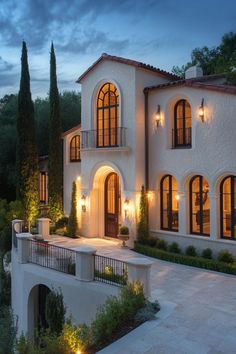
x,y
83,203
201,110
158,116
126,207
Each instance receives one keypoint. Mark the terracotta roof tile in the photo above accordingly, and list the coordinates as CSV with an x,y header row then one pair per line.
x,y
135,63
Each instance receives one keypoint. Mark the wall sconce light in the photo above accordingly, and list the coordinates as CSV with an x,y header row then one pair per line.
x,y
150,195
126,207
201,111
177,197
158,116
83,203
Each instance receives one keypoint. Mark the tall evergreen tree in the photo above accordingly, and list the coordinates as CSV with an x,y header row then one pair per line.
x,y
143,227
55,145
27,173
72,222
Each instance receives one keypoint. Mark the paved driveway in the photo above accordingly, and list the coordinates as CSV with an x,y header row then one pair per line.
x,y
198,310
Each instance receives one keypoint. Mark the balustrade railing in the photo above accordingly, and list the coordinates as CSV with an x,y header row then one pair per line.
x,y
109,270
104,138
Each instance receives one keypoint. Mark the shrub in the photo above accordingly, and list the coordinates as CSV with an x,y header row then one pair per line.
x,y
148,312
225,256
174,248
161,244
152,240
191,251
8,330
207,253
62,222
124,230
55,311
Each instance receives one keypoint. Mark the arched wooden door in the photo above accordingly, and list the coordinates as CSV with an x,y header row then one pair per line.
x,y
112,205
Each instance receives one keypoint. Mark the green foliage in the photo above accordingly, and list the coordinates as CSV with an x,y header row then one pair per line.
x,y
207,253
148,312
55,311
5,286
73,222
55,146
174,248
8,330
220,59
198,262
143,228
152,241
63,222
26,153
191,251
225,256
161,244
124,230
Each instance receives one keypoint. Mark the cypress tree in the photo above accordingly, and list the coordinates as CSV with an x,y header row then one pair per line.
x,y
55,145
72,222
27,173
143,228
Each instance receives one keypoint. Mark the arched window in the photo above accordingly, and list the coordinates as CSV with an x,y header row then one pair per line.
x,y
181,134
228,207
199,206
169,203
107,116
75,148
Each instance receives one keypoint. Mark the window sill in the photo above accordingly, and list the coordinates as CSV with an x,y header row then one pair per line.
x,y
107,149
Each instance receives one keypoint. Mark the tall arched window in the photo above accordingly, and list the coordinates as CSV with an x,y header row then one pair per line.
x,y
228,207
75,148
199,206
181,134
169,204
107,116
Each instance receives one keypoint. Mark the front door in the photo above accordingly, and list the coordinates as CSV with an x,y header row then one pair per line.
x,y
112,205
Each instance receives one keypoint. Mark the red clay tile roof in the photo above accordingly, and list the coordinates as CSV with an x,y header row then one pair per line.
x,y
135,63
199,82
71,130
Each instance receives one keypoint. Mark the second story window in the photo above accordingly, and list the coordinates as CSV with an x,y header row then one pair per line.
x,y
107,116
182,134
75,149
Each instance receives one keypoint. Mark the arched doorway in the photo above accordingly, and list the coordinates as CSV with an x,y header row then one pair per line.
x,y
37,308
112,205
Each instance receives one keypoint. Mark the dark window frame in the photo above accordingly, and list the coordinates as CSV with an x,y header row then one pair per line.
x,y
200,233
186,144
169,210
75,150
101,96
232,206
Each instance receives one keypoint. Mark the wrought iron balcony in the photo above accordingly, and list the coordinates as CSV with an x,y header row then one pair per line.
x,y
181,138
104,138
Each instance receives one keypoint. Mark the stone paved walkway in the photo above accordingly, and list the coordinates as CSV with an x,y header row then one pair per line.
x,y
198,309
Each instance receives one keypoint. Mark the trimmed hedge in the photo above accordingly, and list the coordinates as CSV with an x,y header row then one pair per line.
x,y
198,262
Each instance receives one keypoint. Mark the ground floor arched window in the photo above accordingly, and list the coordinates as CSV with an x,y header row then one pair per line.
x,y
169,204
228,207
199,206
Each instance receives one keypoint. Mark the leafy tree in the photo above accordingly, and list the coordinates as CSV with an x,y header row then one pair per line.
x,y
143,228
8,330
220,59
26,153
55,145
72,222
55,311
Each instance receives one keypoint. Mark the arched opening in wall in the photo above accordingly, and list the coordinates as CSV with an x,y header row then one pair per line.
x,y
228,207
37,308
169,204
199,206
108,116
182,132
105,202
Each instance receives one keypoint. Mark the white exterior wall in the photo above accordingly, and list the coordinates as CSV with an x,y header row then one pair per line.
x,y
71,171
80,298
212,154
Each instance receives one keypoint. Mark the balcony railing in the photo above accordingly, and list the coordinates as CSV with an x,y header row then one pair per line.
x,y
109,270
181,138
51,256
104,138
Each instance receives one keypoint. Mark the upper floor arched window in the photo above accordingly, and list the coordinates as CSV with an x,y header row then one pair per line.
x,y
199,206
228,207
182,134
169,203
75,148
107,116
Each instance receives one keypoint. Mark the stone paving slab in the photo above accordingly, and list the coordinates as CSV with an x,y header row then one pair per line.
x,y
198,308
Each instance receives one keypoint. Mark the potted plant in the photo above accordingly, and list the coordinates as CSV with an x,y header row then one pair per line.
x,y
123,235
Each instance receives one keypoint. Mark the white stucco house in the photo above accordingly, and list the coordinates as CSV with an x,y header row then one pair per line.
x,y
143,126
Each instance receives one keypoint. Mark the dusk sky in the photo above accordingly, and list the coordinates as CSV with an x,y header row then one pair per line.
x,y
158,32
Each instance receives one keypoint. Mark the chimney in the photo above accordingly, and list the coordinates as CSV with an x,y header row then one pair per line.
x,y
193,72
